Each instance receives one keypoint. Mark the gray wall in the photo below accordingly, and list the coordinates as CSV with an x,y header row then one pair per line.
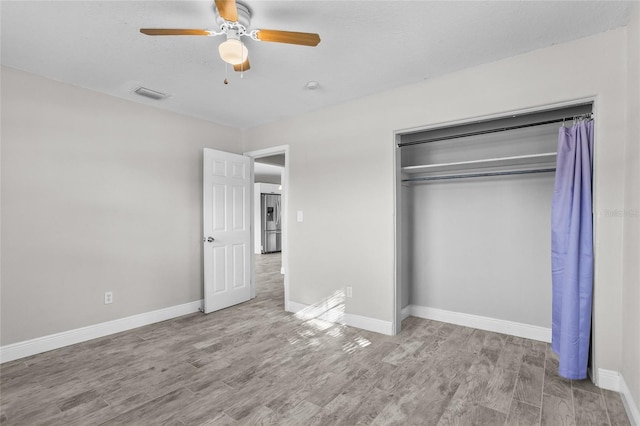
x,y
482,246
98,194
631,265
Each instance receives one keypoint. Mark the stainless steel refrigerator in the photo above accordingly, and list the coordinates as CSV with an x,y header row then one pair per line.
x,y
271,223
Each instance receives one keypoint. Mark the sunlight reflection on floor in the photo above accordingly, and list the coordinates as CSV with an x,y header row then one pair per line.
x,y
326,318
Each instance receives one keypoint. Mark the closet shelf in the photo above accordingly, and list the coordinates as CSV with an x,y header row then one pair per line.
x,y
518,160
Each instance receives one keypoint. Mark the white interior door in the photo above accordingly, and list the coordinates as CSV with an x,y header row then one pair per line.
x,y
227,231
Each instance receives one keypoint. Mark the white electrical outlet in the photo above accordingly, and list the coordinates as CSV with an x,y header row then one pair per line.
x,y
108,297
349,291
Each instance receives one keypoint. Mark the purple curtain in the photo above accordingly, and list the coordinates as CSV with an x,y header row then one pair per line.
x,y
572,250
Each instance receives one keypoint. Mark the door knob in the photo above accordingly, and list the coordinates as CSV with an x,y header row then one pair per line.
x,y
210,239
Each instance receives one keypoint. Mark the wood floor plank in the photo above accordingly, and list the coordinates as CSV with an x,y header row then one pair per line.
x,y
590,408
430,348
498,392
291,395
372,376
495,340
439,393
472,414
36,414
529,385
422,329
335,411
557,411
486,361
81,398
300,414
242,401
325,387
392,414
369,407
469,394
221,420
120,406
511,356
261,416
202,408
16,392
615,408
92,412
397,379
553,383
402,407
523,414
403,351
476,341
536,359
164,409
585,385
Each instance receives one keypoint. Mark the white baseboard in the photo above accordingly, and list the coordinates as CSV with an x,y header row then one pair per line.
x,y
295,307
352,320
629,403
405,312
66,338
614,381
484,323
370,324
608,379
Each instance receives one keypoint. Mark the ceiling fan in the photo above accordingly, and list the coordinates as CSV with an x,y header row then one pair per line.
x,y
234,18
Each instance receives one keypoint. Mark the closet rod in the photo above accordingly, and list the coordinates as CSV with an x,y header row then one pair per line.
x,y
498,129
473,175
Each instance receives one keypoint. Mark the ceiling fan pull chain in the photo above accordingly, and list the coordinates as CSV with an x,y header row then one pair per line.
x,y
225,73
241,47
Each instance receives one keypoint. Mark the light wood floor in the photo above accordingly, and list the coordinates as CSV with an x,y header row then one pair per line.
x,y
256,364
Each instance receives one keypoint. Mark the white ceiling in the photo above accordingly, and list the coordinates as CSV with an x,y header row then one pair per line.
x,y
366,47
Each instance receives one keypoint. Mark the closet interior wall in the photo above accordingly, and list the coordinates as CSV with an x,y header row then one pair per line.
x,y
480,245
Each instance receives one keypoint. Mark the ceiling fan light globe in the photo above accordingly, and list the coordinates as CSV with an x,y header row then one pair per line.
x,y
233,51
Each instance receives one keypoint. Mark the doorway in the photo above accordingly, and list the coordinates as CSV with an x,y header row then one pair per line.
x,y
266,163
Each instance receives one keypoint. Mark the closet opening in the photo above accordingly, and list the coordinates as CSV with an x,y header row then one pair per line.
x,y
473,221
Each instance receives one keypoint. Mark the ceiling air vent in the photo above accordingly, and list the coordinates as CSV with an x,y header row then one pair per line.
x,y
151,94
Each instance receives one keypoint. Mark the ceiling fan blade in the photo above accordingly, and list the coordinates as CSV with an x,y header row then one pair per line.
x,y
291,37
166,31
227,10
245,66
